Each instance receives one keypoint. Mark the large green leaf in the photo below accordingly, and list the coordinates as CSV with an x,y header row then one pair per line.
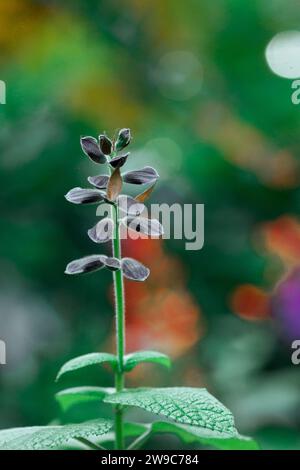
x,y
87,360
76,395
193,406
135,358
51,437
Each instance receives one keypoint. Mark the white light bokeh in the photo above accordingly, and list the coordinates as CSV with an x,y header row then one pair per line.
x,y
283,54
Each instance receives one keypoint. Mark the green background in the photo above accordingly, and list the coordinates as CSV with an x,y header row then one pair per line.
x,y
191,81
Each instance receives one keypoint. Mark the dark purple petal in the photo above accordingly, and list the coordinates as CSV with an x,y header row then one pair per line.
x,y
91,148
145,175
105,144
123,139
134,270
85,265
112,263
129,206
150,227
102,232
119,161
99,181
84,196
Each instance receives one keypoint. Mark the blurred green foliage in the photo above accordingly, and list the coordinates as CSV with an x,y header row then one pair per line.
x,y
214,121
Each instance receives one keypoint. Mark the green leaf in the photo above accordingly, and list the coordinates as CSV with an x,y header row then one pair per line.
x,y
135,358
193,406
73,396
192,434
51,437
87,360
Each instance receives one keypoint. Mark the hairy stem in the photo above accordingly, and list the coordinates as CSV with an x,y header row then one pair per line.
x,y
120,329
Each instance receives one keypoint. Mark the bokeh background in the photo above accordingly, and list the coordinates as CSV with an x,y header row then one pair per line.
x,y
212,111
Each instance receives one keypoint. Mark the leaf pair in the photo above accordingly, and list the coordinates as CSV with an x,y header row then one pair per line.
x,y
92,263
130,361
131,268
146,175
196,416
98,431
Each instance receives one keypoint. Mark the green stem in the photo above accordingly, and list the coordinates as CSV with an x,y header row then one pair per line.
x,y
120,329
140,440
89,444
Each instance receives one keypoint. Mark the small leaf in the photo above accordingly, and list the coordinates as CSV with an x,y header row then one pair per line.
x,y
123,139
84,196
129,206
145,175
91,148
135,358
186,405
119,161
146,226
99,181
105,144
134,270
102,231
85,265
77,395
51,437
114,185
145,195
85,361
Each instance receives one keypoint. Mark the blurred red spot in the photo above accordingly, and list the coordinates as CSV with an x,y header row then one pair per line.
x,y
282,237
160,313
166,320
250,302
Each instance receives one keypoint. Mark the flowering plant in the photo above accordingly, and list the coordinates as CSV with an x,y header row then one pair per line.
x,y
192,414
